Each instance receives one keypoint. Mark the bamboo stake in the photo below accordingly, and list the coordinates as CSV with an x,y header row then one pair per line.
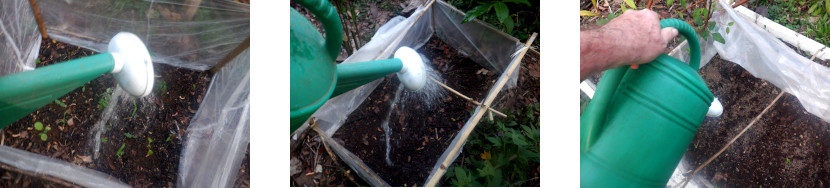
x,y
733,139
235,52
467,98
40,25
449,154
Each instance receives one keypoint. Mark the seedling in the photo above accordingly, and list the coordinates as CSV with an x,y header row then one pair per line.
x,y
161,87
149,148
60,103
105,99
39,127
120,151
134,108
128,135
168,138
103,140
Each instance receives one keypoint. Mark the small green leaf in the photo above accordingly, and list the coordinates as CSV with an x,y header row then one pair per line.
x,y
120,151
149,152
168,137
494,140
731,23
718,37
788,160
47,129
38,126
43,136
128,135
669,2
711,26
508,24
104,140
630,3
727,30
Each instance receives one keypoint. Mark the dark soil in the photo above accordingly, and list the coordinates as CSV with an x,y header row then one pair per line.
x,y
69,138
419,134
785,148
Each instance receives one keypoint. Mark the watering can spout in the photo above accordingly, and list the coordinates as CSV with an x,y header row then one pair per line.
x,y
407,64
25,92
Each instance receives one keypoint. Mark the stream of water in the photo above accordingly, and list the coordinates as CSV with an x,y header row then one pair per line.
x,y
120,102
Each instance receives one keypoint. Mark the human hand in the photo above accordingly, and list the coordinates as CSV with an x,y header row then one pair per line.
x,y
640,38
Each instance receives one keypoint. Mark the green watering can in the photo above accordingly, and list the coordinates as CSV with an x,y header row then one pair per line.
x,y
641,121
315,77
127,59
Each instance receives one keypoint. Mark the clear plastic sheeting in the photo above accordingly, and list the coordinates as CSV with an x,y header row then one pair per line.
x,y
189,34
766,57
19,37
219,133
39,164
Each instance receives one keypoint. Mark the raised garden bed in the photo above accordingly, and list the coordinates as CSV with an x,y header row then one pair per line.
x,y
162,117
419,132
786,147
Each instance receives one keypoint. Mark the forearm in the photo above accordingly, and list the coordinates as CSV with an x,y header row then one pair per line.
x,y
599,50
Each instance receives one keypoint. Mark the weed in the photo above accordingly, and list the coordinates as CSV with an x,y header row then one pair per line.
x,y
128,135
135,107
105,99
503,153
168,138
120,151
161,87
39,127
149,147
60,103
103,140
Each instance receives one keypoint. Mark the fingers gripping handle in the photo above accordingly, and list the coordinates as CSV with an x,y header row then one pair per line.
x,y
687,31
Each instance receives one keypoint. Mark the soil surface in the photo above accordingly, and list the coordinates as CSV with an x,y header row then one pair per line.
x,y
419,133
785,148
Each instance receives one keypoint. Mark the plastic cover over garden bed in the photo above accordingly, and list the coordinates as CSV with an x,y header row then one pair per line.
x,y
484,44
183,35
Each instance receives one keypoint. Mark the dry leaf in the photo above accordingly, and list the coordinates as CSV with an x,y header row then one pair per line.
x,y
86,159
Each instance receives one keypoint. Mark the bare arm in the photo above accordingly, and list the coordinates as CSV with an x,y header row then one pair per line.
x,y
633,38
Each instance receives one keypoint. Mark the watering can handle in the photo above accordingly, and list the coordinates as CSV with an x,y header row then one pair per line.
x,y
327,15
687,31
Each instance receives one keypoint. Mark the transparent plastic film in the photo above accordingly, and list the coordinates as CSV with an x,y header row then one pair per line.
x,y
193,34
39,164
218,136
768,58
19,37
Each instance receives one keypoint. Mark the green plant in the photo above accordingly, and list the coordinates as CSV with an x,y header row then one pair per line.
x,y
515,17
103,140
168,137
135,107
161,87
39,127
128,135
504,152
788,160
60,103
149,147
120,151
105,99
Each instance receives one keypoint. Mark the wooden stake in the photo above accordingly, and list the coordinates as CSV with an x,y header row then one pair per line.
x,y
36,11
467,98
447,158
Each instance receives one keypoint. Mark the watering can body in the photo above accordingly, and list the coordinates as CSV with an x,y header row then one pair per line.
x,y
640,122
315,76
